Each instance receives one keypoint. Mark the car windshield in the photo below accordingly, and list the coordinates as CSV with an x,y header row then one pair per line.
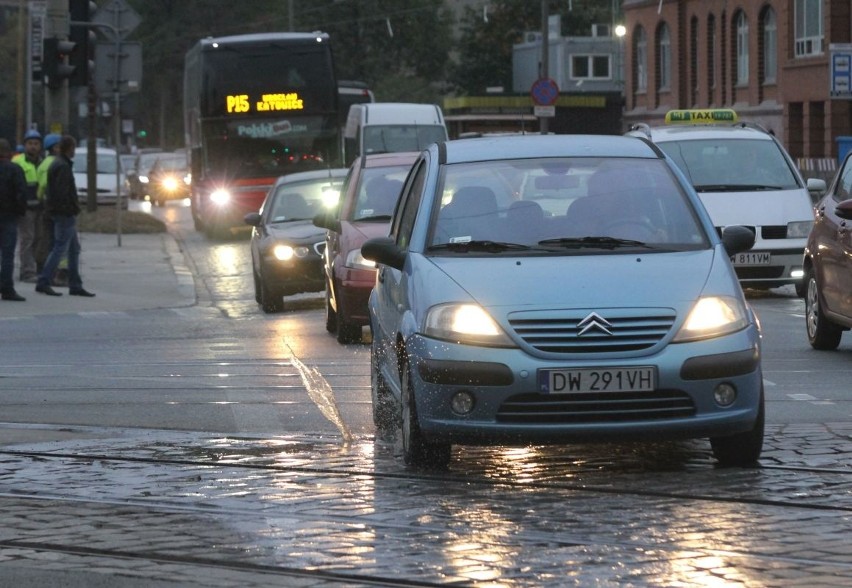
x,y
105,163
396,138
563,205
378,192
303,200
171,164
724,165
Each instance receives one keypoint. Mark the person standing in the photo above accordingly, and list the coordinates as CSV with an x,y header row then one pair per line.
x,y
13,205
43,246
30,226
62,205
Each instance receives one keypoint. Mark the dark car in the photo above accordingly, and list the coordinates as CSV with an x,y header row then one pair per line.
x,y
286,247
137,174
370,194
169,179
828,264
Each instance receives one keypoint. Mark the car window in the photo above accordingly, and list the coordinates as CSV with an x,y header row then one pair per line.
x,y
302,200
739,163
396,138
635,199
171,164
378,191
410,205
843,191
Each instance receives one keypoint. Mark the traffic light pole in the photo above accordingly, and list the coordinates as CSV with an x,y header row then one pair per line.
x,y
56,99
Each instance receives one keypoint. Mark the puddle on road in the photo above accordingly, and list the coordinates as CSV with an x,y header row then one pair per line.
x,y
320,391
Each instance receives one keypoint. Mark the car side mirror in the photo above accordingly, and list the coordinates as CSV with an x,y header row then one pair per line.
x,y
816,186
737,239
844,209
328,221
385,251
253,219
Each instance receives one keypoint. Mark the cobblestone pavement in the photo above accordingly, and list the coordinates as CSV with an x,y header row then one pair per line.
x,y
170,508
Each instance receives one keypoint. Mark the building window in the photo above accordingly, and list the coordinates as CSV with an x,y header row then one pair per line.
x,y
641,56
693,60
808,27
711,56
590,67
742,48
770,46
664,58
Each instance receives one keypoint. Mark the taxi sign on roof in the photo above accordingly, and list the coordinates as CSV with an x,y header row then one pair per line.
x,y
701,116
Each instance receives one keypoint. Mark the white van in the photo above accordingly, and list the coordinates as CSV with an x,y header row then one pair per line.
x,y
391,127
744,177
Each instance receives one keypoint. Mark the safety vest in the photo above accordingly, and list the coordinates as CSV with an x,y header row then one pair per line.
x,y
31,174
42,176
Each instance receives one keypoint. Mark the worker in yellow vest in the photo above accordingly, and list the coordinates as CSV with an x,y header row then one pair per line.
x,y
30,226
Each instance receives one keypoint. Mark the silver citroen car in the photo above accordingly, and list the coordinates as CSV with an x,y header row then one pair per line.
x,y
549,289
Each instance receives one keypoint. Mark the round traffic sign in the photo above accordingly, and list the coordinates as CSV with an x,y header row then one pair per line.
x,y
544,92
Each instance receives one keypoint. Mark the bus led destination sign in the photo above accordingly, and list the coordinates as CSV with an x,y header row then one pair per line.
x,y
242,104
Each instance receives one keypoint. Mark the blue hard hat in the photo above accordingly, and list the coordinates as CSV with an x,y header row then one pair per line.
x,y
32,134
51,140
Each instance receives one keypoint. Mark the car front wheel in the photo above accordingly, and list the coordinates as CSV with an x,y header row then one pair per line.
x,y
271,299
416,450
384,413
822,333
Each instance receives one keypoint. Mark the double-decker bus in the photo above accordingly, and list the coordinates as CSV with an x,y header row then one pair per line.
x,y
257,107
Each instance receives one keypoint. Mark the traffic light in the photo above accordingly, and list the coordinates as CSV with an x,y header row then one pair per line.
x,y
55,65
81,11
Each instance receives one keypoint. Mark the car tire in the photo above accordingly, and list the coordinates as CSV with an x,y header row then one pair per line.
x,y
384,409
416,450
742,449
271,299
257,295
347,331
330,314
822,333
801,288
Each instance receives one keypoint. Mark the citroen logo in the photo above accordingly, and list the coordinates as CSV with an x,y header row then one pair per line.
x,y
594,321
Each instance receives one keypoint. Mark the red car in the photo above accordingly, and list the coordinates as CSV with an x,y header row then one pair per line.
x,y
369,197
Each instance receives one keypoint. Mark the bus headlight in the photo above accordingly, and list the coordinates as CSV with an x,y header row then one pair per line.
x,y
220,197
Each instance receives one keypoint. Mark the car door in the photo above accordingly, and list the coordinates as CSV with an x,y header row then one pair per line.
x,y
834,245
390,291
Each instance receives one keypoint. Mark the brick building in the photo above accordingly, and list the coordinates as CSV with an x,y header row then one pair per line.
x,y
770,60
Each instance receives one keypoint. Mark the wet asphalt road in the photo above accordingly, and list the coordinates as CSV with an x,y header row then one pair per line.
x,y
213,445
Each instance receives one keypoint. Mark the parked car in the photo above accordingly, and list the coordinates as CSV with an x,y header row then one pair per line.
x,y
369,196
828,264
137,175
620,317
109,183
169,179
286,247
744,176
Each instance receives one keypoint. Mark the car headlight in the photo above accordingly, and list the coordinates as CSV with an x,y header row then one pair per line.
x,y
799,229
143,179
170,184
355,260
220,197
286,252
330,197
713,316
464,323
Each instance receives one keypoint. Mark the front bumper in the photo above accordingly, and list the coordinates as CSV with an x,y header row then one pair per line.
x,y
509,408
779,272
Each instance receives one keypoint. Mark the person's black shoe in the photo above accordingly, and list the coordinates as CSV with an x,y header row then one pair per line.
x,y
48,290
12,295
81,292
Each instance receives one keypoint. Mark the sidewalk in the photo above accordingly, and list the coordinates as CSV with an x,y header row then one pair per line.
x,y
147,271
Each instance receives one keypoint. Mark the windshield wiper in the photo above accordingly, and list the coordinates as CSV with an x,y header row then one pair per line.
x,y
597,242
480,245
734,188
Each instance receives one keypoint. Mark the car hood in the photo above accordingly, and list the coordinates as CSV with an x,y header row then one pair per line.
x,y
302,229
666,280
757,208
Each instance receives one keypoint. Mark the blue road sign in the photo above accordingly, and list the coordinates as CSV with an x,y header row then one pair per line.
x,y
544,92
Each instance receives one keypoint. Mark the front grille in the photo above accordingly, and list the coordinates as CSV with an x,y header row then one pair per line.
x,y
774,232
633,330
760,273
602,407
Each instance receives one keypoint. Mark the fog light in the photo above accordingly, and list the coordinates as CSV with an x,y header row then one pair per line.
x,y
462,402
797,272
725,394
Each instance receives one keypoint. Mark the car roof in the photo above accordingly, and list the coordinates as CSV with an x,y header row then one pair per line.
x,y
387,159
530,146
318,174
693,132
